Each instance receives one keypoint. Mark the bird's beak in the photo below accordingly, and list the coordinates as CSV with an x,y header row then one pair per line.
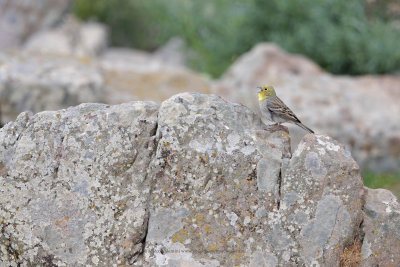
x,y
260,89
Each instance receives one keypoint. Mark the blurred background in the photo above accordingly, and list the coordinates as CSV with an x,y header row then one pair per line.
x,y
336,63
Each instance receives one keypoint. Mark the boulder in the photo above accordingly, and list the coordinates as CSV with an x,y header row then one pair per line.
x,y
38,82
172,52
19,19
381,244
137,75
196,181
216,174
74,185
361,112
227,191
70,38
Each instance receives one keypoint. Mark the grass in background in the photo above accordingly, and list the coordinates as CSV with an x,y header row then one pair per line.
x,y
380,180
340,35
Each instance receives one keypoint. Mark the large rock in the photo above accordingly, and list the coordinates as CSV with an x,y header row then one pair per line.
x,y
361,112
381,244
70,38
226,191
74,185
20,18
135,75
38,82
218,187
216,176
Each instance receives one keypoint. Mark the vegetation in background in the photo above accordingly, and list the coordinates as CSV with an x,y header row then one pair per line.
x,y
342,36
380,180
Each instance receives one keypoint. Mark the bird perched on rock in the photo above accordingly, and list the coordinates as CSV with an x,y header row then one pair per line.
x,y
275,110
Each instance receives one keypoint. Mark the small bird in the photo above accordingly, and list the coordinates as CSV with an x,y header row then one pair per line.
x,y
275,110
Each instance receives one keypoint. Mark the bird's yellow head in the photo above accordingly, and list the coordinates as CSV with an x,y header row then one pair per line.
x,y
265,92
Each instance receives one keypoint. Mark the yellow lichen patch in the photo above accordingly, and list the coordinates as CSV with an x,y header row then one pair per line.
x,y
165,143
208,229
121,204
213,247
180,236
58,115
114,151
285,134
63,222
238,255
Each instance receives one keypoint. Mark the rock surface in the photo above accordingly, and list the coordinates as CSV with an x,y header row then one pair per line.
x,y
218,187
381,244
74,186
361,112
70,38
214,171
38,82
20,18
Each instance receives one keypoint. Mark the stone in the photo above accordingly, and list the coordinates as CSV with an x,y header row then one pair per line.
x,y
205,172
72,37
137,75
19,19
321,196
38,82
381,245
195,181
228,192
75,186
172,52
361,112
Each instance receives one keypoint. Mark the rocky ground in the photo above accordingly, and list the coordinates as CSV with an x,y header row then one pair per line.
x,y
194,181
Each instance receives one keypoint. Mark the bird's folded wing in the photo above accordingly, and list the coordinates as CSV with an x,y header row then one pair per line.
x,y
275,105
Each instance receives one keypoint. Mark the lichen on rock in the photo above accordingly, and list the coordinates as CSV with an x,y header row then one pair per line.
x,y
195,181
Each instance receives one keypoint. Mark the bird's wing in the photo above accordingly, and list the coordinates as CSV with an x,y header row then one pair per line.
x,y
276,106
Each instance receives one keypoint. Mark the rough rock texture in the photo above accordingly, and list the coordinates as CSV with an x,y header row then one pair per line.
x,y
74,186
220,199
70,38
20,18
211,158
321,192
216,186
135,75
361,112
38,82
381,244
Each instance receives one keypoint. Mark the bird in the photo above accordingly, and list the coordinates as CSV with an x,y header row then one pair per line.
x,y
273,108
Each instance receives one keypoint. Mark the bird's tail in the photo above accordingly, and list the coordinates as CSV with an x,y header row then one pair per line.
x,y
304,127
